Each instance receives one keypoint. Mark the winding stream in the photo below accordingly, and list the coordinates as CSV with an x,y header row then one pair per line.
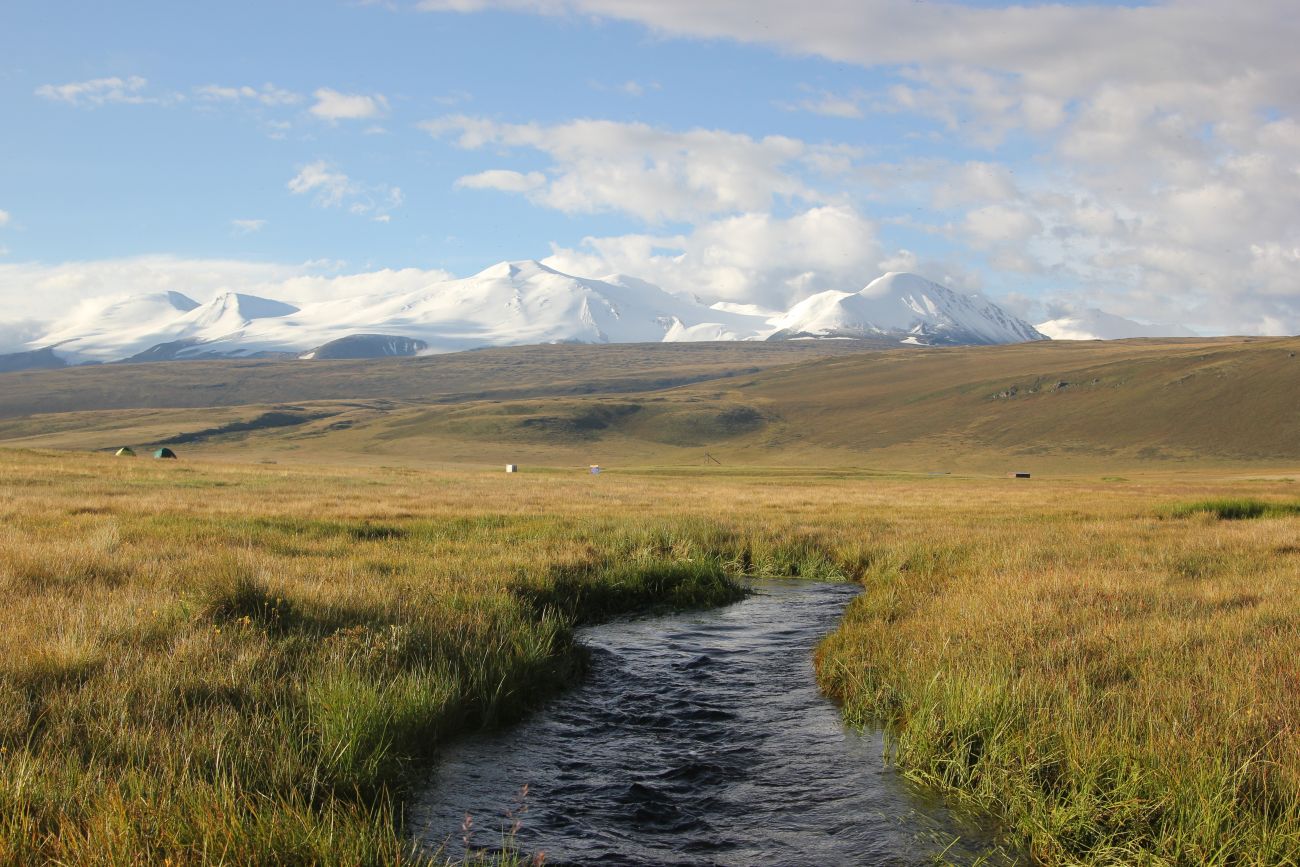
x,y
698,738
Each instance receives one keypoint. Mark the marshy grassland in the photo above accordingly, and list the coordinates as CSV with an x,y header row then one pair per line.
x,y
213,662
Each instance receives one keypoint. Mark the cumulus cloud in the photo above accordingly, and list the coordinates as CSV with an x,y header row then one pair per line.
x,y
504,180
332,105
268,94
994,225
1162,136
4,218
331,188
751,258
654,174
99,91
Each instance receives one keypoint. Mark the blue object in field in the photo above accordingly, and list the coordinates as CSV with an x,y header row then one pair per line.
x,y
595,470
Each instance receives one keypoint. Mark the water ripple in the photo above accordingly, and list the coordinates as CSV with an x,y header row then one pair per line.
x,y
695,739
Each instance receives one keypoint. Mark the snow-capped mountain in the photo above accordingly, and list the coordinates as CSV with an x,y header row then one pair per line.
x,y
510,303
106,329
905,304
1094,324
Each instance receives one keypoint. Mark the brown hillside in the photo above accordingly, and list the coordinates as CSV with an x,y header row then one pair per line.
x,y
1038,407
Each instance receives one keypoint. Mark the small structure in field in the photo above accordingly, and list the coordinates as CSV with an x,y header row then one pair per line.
x,y
165,453
125,452
512,468
1018,475
595,469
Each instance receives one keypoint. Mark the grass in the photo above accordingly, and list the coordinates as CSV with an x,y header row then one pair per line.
x,y
234,665
1112,687
223,663
1235,509
1130,406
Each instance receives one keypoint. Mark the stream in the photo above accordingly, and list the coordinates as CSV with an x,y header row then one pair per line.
x,y
696,738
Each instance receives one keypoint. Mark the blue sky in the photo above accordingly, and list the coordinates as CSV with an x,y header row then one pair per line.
x,y
1050,156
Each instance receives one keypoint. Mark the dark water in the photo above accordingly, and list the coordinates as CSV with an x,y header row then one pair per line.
x,y
695,739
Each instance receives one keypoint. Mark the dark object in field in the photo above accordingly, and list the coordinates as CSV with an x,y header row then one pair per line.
x,y
512,468
1018,475
165,453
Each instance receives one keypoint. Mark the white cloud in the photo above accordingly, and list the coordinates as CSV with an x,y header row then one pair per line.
x,y
751,258
999,224
268,94
334,106
4,218
654,174
829,104
1162,136
99,91
247,227
332,188
1059,49
504,180
36,292
329,185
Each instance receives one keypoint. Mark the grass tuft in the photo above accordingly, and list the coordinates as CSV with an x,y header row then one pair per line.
x,y
1235,509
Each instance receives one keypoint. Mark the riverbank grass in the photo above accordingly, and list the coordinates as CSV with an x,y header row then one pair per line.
x,y
1114,683
252,677
223,663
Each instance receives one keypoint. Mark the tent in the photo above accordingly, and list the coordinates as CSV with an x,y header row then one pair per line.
x,y
125,452
165,452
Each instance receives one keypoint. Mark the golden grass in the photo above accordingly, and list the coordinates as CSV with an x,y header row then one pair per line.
x,y
1114,684
242,664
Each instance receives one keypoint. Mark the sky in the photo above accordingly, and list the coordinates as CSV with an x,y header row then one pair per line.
x,y
1141,158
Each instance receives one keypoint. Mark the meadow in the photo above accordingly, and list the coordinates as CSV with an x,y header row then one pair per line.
x,y
212,662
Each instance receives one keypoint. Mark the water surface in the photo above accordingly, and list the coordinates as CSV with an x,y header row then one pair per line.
x,y
697,738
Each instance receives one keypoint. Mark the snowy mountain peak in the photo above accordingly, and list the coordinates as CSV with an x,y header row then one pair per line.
x,y
899,283
520,269
510,303
907,306
102,329
181,302
246,307
1094,324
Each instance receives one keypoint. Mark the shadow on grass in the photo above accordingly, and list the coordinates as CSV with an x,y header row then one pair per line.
x,y
1238,509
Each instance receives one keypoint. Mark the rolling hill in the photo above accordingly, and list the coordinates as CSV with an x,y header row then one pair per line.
x,y
1085,407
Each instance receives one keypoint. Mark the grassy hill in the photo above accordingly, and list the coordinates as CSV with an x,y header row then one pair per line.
x,y
1036,407
519,371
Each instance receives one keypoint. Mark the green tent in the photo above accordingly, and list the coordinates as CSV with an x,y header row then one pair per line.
x,y
125,452
165,452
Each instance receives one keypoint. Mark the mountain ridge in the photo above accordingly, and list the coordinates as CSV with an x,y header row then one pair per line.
x,y
509,303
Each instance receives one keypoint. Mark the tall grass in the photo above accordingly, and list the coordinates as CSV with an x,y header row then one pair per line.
x,y
258,676
242,664
1112,688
